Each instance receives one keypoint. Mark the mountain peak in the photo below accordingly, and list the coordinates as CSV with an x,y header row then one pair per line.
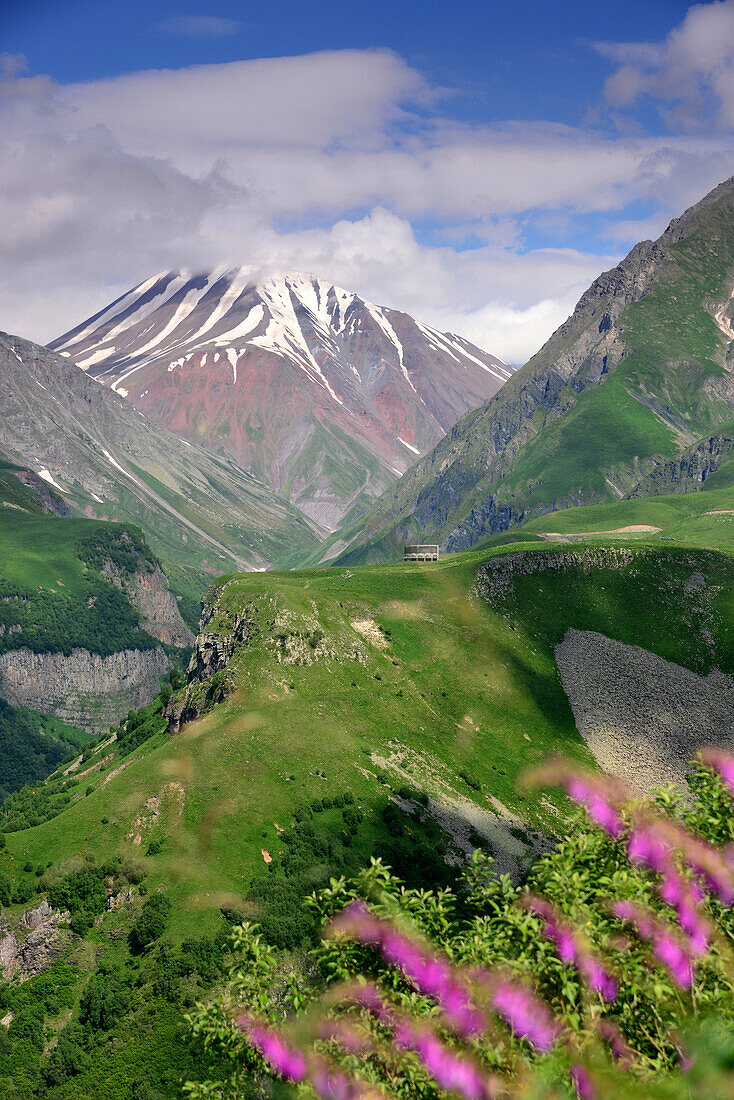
x,y
314,388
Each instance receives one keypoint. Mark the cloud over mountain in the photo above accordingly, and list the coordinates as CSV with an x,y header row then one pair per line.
x,y
344,163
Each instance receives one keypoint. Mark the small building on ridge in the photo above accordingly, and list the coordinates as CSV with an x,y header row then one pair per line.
x,y
420,552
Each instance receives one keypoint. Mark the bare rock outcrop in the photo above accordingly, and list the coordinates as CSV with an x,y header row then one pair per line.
x,y
495,578
34,944
148,591
213,651
642,717
688,472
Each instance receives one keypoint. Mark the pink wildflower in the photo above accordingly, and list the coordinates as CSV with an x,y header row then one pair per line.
x,y
601,796
571,950
582,1083
287,1061
450,1071
648,847
527,1016
620,1049
704,860
723,763
295,1066
644,847
333,1085
666,946
600,808
430,975
599,979
339,1031
685,897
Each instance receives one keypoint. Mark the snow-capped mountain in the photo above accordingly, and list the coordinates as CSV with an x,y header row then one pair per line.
x,y
323,394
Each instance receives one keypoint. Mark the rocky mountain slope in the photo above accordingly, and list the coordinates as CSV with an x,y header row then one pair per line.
x,y
707,464
637,376
318,392
105,460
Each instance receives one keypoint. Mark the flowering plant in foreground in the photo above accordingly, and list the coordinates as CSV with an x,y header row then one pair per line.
x,y
608,973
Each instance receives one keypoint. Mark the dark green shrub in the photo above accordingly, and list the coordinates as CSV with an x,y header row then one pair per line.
x,y
151,923
352,818
105,1000
470,779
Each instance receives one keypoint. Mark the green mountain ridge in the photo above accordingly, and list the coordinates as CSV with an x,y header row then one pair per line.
x,y
637,376
345,713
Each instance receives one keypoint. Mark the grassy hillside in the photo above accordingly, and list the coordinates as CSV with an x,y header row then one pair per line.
x,y
695,519
54,597
376,710
663,395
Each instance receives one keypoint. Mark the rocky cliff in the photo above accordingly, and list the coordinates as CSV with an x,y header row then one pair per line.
x,y
213,650
148,591
692,471
83,689
88,656
34,943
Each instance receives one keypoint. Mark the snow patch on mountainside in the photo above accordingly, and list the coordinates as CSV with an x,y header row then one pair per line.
x,y
272,322
409,445
43,472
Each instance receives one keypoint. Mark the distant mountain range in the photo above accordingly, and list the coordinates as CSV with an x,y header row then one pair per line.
x,y
316,391
101,458
633,395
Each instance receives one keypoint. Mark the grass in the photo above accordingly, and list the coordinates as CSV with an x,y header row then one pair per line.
x,y
688,518
40,550
453,695
607,432
53,599
457,686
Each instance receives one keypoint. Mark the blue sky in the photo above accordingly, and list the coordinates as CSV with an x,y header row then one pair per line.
x,y
520,60
475,164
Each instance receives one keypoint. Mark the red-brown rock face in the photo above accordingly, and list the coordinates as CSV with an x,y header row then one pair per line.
x,y
324,395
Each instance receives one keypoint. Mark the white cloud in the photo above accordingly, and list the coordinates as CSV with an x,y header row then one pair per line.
x,y
529,293
323,163
199,26
691,72
319,101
